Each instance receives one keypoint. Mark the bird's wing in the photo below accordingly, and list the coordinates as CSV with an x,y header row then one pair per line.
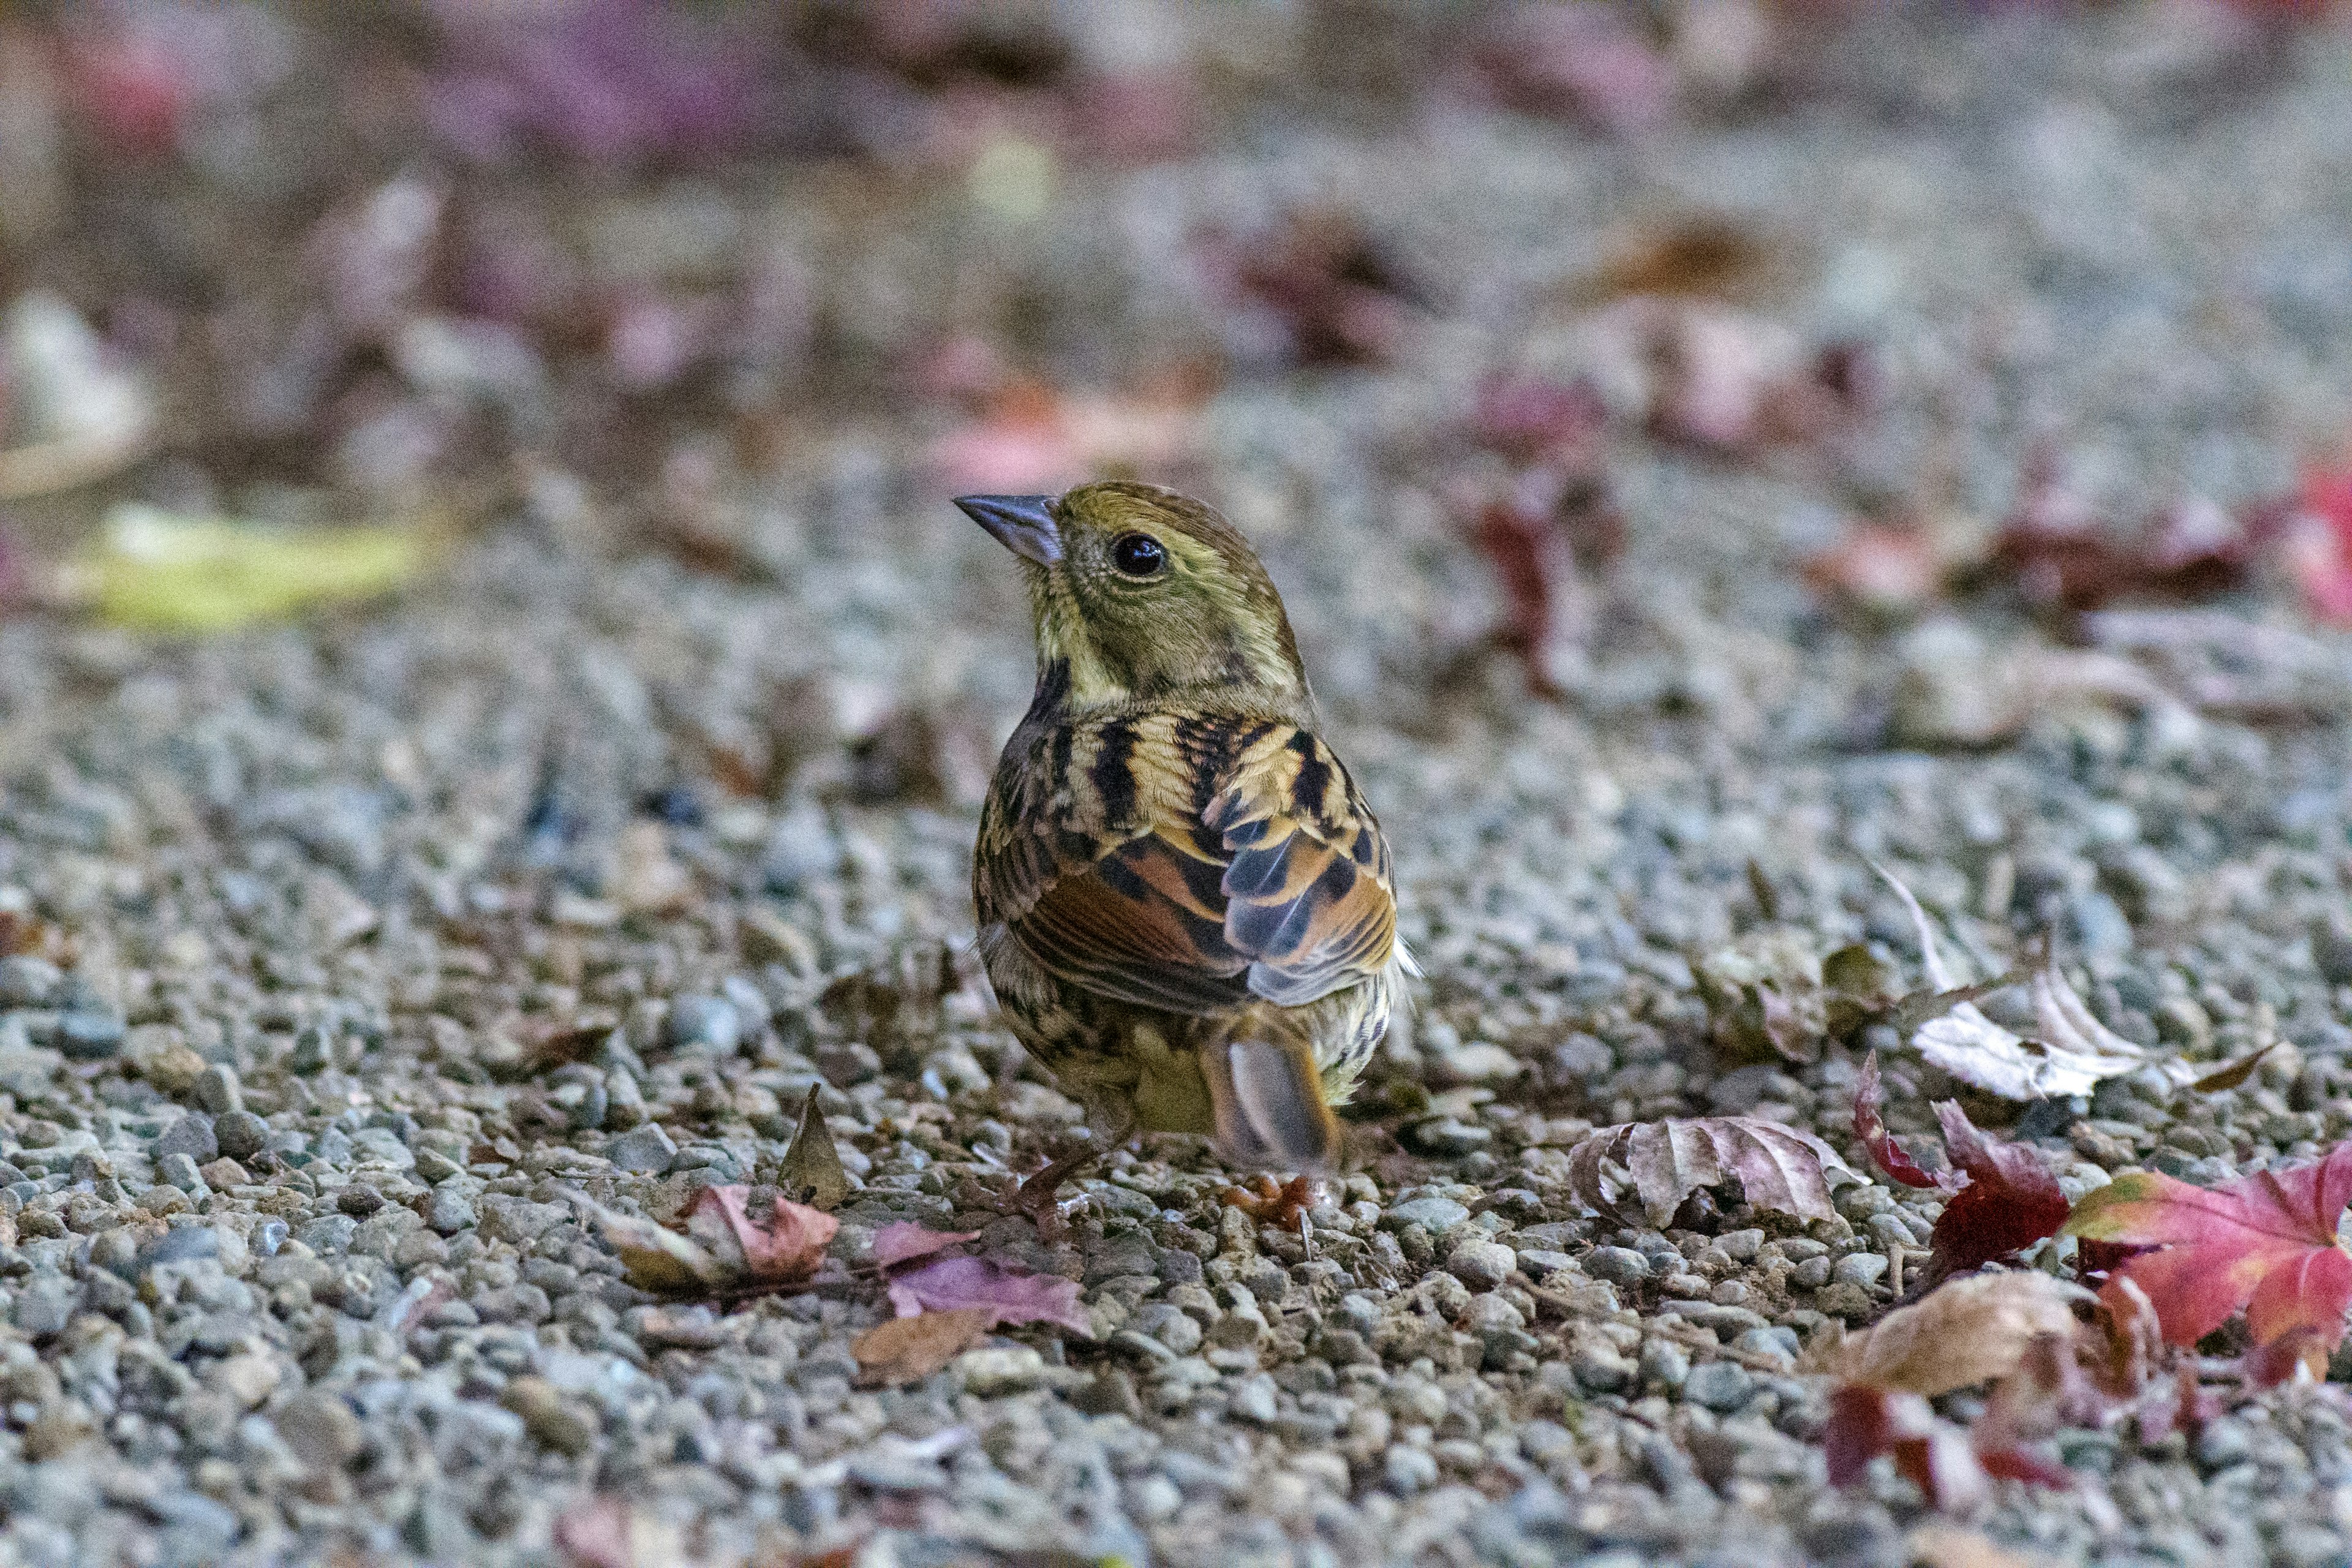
x,y
1191,864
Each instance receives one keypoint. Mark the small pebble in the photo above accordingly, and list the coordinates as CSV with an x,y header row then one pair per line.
x,y
1722,1386
1617,1265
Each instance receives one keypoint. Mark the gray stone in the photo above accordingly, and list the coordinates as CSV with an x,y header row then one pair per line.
x,y
1600,1369
219,1090
2099,926
26,1071
1617,1265
450,1213
1664,1366
180,1170
240,1134
1405,1469
328,1235
194,1136
997,1369
89,1034
1863,1268
1481,1265
1435,1215
1722,1386
703,1023
30,982
2331,950
647,1149
45,1304
1254,1401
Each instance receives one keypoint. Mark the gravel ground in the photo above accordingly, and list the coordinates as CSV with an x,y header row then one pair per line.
x,y
373,938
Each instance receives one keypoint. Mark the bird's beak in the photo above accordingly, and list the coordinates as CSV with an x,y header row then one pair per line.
x,y
1023,524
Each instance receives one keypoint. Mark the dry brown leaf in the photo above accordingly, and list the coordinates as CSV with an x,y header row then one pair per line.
x,y
908,1349
1971,1331
2235,1074
2073,1055
812,1171
656,1257
1644,1169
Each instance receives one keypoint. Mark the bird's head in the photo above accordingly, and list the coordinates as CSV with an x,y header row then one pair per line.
x,y
1141,594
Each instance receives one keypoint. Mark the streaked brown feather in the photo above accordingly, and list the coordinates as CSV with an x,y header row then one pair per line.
x,y
1191,865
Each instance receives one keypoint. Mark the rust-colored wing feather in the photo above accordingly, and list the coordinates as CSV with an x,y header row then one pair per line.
x,y
1191,865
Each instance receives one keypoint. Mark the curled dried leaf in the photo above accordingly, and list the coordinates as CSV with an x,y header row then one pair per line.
x,y
1641,1172
812,1171
1884,1152
2073,1055
656,1257
2011,1202
1968,1332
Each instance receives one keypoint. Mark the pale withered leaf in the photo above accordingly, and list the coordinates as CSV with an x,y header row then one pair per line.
x,y
1642,1170
812,1171
1971,1331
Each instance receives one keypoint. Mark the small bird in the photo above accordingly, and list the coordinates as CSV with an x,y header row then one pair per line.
x,y
1185,907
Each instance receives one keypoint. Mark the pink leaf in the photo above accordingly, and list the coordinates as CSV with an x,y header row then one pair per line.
x,y
904,1241
1884,1152
789,1247
952,1284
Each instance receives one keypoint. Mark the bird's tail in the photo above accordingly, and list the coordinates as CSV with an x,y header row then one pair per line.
x,y
1268,1095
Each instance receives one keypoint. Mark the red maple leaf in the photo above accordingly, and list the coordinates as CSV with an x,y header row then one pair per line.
x,y
2265,1244
1884,1152
2011,1200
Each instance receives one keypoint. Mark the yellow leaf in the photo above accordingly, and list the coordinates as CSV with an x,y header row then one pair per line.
x,y
155,571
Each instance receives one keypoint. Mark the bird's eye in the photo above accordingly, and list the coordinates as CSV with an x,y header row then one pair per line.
x,y
1138,554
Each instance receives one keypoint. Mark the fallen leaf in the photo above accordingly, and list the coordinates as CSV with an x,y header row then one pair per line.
x,y
1705,255
1656,1165
2076,1053
1535,539
2300,1352
788,1246
2053,550
903,1241
908,1349
1884,1152
1030,437
1584,63
1866,1421
1336,294
2010,1201
1966,1332
1764,993
2265,1244
2234,1075
1533,419
812,1171
655,1257
1878,568
2317,547
155,571
951,1284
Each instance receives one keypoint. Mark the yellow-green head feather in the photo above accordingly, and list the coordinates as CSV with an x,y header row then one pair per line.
x,y
1140,596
